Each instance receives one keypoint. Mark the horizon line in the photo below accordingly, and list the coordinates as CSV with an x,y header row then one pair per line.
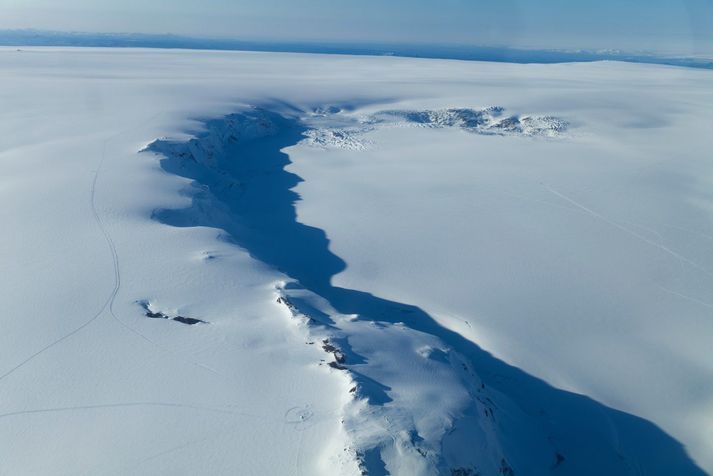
x,y
456,51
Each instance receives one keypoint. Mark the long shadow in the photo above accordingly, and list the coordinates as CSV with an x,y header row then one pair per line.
x,y
247,192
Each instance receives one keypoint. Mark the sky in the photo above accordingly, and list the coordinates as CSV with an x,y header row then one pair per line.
x,y
670,26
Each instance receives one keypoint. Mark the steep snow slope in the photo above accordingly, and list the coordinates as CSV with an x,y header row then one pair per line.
x,y
171,311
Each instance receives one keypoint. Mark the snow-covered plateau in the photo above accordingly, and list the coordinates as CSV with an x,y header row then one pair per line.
x,y
293,264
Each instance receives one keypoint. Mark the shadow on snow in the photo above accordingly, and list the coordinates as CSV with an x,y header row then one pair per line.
x,y
249,195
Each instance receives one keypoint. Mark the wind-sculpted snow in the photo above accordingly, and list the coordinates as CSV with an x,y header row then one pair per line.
x,y
582,259
487,121
423,399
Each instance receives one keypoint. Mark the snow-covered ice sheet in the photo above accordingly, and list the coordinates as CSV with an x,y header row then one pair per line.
x,y
464,232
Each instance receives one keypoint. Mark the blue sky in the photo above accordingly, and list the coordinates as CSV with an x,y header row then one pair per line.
x,y
680,26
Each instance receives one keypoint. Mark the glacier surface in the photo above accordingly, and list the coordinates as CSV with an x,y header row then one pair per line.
x,y
254,263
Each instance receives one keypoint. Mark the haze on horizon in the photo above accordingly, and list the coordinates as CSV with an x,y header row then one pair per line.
x,y
665,26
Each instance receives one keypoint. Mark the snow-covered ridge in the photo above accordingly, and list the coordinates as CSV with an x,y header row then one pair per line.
x,y
488,121
422,399
210,147
338,138
391,421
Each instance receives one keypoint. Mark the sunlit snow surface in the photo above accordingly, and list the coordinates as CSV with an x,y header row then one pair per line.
x,y
252,263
